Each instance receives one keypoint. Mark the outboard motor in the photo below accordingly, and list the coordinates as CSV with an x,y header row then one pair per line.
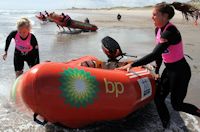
x,y
112,49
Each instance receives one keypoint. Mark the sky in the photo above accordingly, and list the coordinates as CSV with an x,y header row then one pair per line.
x,y
63,4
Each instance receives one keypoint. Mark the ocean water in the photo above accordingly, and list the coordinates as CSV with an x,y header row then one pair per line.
x,y
63,4
59,47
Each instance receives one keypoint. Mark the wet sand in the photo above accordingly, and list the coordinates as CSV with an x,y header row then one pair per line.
x,y
135,34
141,19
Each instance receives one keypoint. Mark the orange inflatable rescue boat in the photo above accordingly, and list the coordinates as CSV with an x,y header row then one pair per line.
x,y
85,90
74,95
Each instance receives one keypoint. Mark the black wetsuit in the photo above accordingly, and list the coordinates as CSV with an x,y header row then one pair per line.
x,y
68,21
119,17
43,17
32,57
174,79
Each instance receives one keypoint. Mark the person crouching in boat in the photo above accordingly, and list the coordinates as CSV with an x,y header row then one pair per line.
x,y
67,19
87,20
43,16
102,64
26,46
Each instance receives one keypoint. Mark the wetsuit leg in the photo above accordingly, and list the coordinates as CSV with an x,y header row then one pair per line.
x,y
18,61
69,22
162,92
32,58
179,81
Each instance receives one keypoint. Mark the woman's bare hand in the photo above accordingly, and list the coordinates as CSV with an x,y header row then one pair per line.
x,y
5,56
126,67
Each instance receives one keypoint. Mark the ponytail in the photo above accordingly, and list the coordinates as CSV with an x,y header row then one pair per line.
x,y
187,10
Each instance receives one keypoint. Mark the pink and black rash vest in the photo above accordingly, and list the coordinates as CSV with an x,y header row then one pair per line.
x,y
171,51
174,52
23,45
66,18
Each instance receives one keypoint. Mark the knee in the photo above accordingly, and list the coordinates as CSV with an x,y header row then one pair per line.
x,y
18,73
176,105
158,100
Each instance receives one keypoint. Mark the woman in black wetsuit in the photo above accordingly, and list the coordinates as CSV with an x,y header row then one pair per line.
x,y
26,46
169,48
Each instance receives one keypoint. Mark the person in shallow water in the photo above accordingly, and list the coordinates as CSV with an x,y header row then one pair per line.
x,y
42,15
169,49
66,18
26,46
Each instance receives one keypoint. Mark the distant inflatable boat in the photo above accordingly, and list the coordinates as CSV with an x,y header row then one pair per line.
x,y
41,18
71,23
75,96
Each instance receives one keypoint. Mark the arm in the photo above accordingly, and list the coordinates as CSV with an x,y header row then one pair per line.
x,y
35,49
154,55
169,37
159,60
8,40
158,64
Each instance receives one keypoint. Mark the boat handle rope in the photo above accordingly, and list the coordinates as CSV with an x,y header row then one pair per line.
x,y
38,121
125,54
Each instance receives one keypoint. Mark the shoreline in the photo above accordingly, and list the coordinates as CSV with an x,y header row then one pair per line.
x,y
134,33
141,19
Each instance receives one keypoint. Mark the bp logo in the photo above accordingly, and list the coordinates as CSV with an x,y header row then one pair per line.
x,y
78,87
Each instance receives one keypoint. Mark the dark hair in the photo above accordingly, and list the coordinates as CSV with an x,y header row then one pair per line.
x,y
186,9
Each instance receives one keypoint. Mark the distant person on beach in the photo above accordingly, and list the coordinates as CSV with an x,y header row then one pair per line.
x,y
26,46
87,20
119,17
169,49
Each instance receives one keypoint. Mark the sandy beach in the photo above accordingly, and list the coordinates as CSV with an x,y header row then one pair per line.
x,y
140,18
135,34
